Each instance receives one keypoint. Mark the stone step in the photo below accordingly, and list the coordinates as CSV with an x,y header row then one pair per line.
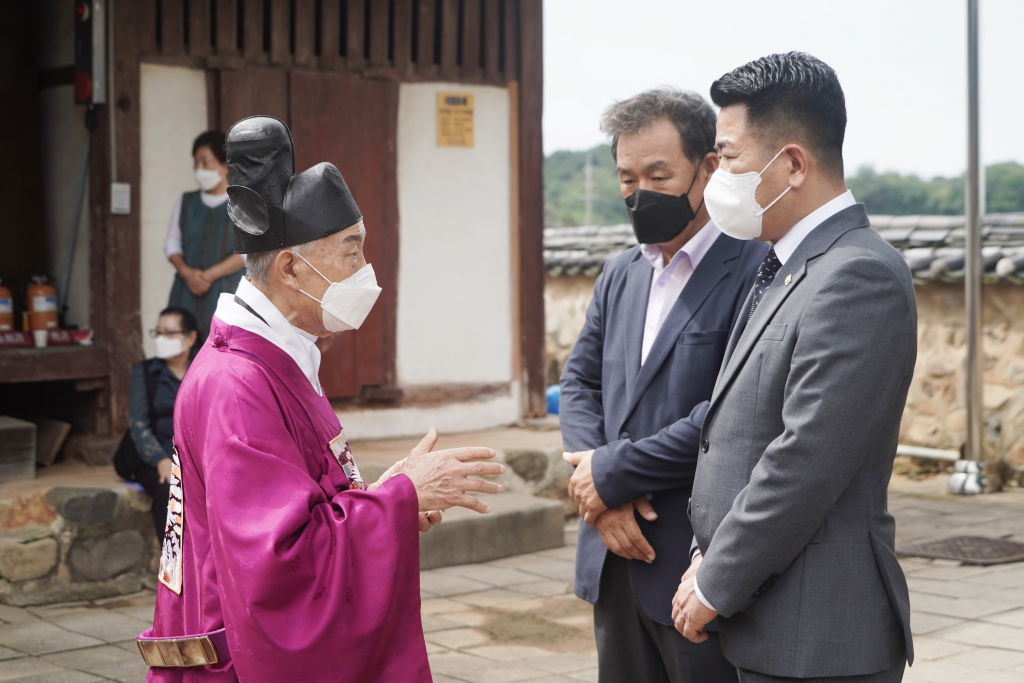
x,y
518,523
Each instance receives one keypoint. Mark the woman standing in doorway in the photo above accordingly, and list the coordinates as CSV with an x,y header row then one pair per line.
x,y
199,240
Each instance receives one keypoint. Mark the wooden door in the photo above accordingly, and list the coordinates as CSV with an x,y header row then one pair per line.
x,y
352,123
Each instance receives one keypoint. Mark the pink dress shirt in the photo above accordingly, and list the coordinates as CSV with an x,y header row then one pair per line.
x,y
667,281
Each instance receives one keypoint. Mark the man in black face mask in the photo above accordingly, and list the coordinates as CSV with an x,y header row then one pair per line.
x,y
650,351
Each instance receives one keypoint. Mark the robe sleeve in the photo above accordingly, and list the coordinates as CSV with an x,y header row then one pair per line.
x,y
310,586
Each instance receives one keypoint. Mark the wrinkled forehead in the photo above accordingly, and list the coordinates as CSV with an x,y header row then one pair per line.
x,y
354,233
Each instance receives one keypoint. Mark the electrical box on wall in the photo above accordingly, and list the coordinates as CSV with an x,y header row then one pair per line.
x,y
120,199
90,51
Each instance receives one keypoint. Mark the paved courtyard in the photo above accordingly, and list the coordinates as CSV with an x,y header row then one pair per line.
x,y
515,619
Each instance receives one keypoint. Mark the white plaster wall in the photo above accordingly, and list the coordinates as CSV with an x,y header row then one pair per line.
x,y
455,301
63,137
63,141
173,112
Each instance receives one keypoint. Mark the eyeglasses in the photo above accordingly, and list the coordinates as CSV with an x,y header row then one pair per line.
x,y
165,333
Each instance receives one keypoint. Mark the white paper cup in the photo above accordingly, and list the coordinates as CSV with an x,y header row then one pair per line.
x,y
41,337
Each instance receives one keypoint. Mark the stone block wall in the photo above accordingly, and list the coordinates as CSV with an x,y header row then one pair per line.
x,y
72,543
935,414
565,309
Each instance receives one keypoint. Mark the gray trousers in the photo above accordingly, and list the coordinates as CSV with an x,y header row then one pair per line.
x,y
631,647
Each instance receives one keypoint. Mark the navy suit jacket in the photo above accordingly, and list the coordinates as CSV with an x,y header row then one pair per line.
x,y
638,419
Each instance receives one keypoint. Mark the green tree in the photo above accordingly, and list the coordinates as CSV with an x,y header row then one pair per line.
x,y
565,191
906,195
1004,188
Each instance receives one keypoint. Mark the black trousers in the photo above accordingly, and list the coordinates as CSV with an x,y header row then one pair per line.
x,y
149,478
130,466
631,647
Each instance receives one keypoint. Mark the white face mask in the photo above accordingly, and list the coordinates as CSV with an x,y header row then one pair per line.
x,y
346,304
167,347
207,179
731,203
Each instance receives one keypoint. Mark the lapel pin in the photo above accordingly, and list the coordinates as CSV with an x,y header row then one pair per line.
x,y
789,278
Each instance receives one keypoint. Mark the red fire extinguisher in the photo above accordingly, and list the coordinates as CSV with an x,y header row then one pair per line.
x,y
6,309
41,304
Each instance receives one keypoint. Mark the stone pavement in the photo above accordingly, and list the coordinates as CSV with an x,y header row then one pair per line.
x,y
515,619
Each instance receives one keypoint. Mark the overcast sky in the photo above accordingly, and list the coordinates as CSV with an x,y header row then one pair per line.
x,y
902,65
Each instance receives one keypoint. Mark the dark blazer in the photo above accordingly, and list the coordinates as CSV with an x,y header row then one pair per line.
x,y
789,500
638,419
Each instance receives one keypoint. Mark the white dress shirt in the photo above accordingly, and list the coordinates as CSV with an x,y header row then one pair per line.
x,y
172,245
667,282
298,344
784,249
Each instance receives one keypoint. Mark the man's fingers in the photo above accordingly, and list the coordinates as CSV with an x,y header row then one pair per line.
x,y
424,522
427,443
471,453
434,517
589,515
475,504
629,549
637,538
644,507
482,469
572,458
482,486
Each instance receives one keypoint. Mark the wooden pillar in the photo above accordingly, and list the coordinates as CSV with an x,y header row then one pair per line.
x,y
531,206
115,239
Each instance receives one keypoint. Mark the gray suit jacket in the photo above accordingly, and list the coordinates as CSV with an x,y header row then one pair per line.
x,y
789,497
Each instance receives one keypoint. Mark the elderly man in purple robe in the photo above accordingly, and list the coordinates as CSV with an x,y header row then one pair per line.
x,y
278,563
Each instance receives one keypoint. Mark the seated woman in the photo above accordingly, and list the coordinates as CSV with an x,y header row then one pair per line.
x,y
144,455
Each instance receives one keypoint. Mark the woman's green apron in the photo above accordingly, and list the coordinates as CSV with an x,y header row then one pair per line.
x,y
206,240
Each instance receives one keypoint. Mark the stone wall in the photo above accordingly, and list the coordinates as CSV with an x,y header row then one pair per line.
x,y
565,308
72,543
935,415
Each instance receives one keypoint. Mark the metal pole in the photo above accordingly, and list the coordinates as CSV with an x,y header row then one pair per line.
x,y
972,246
65,275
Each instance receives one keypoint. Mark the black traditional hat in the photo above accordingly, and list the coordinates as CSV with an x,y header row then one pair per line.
x,y
271,207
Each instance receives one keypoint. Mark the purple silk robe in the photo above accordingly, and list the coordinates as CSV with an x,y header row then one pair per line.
x,y
313,581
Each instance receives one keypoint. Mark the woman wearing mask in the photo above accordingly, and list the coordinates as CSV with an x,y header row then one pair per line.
x,y
144,455
199,241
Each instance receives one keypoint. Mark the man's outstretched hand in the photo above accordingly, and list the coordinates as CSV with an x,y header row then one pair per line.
x,y
442,479
582,488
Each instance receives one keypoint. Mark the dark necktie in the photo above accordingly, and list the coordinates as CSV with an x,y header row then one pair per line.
x,y
765,274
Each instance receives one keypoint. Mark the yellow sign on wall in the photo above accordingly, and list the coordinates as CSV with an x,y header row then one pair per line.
x,y
454,119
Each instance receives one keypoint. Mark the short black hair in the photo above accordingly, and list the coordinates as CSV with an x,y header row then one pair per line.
x,y
187,318
691,114
214,139
791,95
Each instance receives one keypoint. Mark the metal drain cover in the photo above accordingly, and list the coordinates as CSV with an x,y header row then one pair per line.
x,y
967,549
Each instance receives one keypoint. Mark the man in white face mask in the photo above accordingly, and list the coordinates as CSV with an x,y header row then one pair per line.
x,y
793,545
271,530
